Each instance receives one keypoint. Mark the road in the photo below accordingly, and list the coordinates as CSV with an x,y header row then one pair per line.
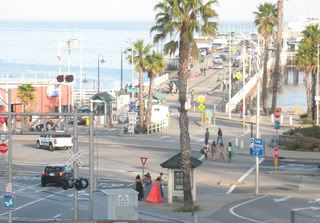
x,y
118,165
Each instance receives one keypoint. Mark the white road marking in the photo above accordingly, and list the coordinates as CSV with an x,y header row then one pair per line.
x,y
231,210
277,200
57,216
317,200
306,208
245,133
243,177
164,137
129,185
33,202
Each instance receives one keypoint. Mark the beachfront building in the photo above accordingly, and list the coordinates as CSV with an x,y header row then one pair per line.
x,y
47,94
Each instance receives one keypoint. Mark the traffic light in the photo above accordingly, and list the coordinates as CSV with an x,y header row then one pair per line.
x,y
60,78
69,78
79,184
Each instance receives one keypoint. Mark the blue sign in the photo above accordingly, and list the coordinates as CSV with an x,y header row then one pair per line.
x,y
132,106
8,201
256,147
277,124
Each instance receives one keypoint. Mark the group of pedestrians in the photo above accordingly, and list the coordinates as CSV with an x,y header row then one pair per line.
x,y
218,151
151,192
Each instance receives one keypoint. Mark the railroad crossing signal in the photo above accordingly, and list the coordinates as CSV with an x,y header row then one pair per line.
x,y
74,157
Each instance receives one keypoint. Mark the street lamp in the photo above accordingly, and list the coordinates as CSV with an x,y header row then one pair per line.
x,y
100,60
132,66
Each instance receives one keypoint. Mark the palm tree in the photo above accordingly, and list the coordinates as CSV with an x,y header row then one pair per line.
x,y
277,67
26,95
154,64
140,51
306,59
180,20
265,20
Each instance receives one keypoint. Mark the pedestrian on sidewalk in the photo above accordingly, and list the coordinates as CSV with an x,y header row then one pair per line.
x,y
139,187
221,151
206,137
219,139
213,149
230,151
147,183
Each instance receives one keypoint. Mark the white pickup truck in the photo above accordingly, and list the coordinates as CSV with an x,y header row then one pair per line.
x,y
54,141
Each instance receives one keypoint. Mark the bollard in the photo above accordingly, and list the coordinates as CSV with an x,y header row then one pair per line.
x,y
241,144
293,216
272,118
237,142
290,119
281,119
276,163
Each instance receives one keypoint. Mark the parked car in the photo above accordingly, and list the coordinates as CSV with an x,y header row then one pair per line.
x,y
236,63
40,127
56,174
216,58
53,141
218,64
223,57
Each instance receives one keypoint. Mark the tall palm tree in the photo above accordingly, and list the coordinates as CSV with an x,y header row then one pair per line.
x,y
180,20
277,67
306,59
154,64
265,20
140,51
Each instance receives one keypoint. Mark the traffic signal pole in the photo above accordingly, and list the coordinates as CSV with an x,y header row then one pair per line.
x,y
75,165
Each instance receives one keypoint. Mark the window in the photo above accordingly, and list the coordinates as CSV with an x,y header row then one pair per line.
x,y
178,180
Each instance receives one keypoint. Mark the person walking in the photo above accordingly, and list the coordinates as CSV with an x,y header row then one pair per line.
x,y
206,137
230,151
147,183
213,150
221,151
139,187
219,139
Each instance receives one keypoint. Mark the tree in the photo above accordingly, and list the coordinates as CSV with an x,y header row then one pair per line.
x,y
277,67
26,94
140,51
265,20
306,59
180,20
154,64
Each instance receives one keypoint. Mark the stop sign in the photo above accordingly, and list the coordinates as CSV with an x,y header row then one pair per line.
x,y
3,148
277,113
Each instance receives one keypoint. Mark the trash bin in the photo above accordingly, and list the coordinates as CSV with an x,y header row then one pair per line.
x,y
87,121
115,204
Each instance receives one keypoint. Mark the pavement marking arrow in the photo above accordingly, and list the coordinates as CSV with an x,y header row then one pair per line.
x,y
277,200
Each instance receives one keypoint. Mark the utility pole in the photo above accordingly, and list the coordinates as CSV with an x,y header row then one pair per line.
x,y
91,167
10,150
75,165
317,85
121,80
230,75
243,86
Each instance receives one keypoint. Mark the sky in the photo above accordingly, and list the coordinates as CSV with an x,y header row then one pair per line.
x,y
137,10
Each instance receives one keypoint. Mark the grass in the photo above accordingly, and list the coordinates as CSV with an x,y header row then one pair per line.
x,y
188,209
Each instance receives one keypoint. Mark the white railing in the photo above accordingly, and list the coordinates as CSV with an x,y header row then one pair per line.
x,y
247,88
157,127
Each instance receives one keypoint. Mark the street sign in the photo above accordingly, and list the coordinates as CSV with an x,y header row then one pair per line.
x,y
257,149
132,118
4,138
132,90
3,147
9,188
132,106
201,99
239,75
8,201
143,160
75,157
277,113
208,113
201,107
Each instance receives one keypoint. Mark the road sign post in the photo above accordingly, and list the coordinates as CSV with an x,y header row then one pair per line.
x,y
143,160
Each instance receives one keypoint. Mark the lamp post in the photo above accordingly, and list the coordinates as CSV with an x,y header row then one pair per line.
x,y
100,60
317,85
132,67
